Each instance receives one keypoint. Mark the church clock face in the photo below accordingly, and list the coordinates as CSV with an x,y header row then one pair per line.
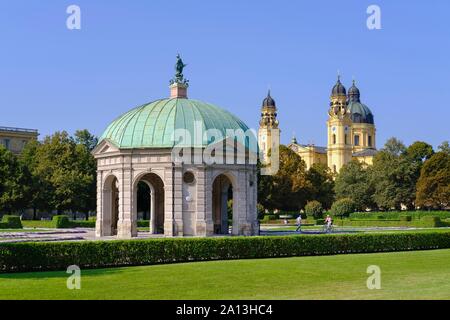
x,y
333,129
346,129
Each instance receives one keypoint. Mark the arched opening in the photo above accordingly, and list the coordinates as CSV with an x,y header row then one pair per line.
x,y
222,204
110,206
149,199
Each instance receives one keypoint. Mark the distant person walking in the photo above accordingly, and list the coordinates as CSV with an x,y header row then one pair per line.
x,y
299,223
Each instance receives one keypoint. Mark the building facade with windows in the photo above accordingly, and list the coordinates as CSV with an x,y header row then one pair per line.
x,y
15,139
351,132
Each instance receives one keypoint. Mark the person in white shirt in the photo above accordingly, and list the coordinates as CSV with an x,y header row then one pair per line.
x,y
299,223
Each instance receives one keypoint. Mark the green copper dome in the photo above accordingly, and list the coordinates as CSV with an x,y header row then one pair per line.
x,y
154,125
360,113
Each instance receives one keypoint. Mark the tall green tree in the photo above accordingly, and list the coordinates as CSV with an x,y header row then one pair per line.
x,y
321,182
39,189
14,180
85,138
354,182
419,151
394,176
68,171
288,189
433,187
445,147
394,147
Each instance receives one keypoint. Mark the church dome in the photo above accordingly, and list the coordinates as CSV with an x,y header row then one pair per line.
x,y
353,93
338,89
269,101
153,125
360,113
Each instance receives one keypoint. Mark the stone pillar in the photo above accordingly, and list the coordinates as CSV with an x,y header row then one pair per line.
x,y
168,202
204,223
178,201
127,225
100,216
152,210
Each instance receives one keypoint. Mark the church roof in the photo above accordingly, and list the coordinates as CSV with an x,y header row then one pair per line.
x,y
154,125
365,153
360,113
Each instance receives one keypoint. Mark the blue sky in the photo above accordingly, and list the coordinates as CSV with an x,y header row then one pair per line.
x,y
52,78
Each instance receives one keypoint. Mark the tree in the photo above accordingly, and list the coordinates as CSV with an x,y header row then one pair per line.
x,y
394,178
38,187
354,182
68,172
342,208
288,189
321,182
419,151
433,187
13,182
314,208
84,137
394,147
445,147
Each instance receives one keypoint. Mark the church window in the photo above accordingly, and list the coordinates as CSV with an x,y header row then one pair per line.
x,y
334,139
345,139
356,140
370,141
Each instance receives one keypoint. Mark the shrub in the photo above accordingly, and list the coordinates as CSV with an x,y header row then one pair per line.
x,y
342,208
314,208
395,215
143,223
405,218
11,222
40,256
61,222
269,217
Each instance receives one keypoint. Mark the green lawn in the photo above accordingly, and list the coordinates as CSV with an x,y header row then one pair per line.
x,y
405,275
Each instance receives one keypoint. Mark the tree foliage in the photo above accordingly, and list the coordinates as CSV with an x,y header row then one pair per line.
x,y
354,182
14,180
433,187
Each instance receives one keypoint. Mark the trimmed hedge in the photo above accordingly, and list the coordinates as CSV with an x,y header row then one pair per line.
x,y
395,215
425,222
61,222
42,256
11,222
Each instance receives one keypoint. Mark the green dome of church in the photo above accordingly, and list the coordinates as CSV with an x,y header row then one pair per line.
x,y
153,125
360,113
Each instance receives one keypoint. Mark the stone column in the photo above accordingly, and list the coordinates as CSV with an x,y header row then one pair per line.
x,y
152,210
168,202
127,225
100,216
204,223
178,201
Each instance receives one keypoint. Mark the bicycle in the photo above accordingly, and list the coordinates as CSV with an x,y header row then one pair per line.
x,y
328,228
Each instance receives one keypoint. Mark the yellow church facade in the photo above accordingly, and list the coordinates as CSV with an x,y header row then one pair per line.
x,y
351,131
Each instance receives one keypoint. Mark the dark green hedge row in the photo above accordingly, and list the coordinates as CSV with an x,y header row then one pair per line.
x,y
21,257
424,222
10,222
395,215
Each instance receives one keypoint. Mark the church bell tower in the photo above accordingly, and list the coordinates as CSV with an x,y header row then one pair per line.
x,y
339,129
268,133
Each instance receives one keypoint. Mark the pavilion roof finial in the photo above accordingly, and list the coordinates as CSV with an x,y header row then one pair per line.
x,y
179,76
179,84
